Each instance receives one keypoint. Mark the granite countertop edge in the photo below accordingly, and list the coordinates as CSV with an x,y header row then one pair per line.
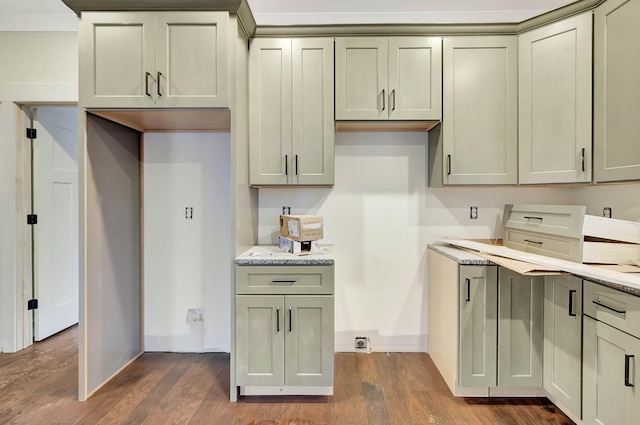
x,y
270,255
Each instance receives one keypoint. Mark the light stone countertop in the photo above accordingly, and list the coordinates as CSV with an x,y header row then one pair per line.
x,y
271,255
461,257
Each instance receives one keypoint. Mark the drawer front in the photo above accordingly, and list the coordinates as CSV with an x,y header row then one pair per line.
x,y
284,280
558,220
535,243
616,308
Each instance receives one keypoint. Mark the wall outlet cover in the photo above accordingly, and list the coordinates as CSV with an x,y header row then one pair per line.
x,y
195,316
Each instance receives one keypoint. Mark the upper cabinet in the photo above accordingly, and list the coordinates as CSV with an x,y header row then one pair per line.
x,y
154,59
388,78
479,142
291,121
616,91
555,96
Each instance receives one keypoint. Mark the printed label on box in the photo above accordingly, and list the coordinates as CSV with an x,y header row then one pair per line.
x,y
294,228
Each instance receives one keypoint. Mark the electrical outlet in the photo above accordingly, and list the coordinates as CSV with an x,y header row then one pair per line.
x,y
361,343
195,315
473,213
606,212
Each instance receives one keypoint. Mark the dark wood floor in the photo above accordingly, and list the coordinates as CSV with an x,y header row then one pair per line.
x,y
39,386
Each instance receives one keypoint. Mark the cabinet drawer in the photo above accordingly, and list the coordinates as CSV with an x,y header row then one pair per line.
x,y
558,220
616,308
551,246
284,280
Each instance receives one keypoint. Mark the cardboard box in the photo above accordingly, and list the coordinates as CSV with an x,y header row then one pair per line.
x,y
298,247
301,227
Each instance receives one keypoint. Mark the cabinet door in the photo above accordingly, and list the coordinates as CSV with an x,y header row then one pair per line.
x,y
270,111
480,137
562,341
611,375
478,326
312,112
555,102
309,340
362,67
616,91
415,78
520,329
117,59
191,59
260,333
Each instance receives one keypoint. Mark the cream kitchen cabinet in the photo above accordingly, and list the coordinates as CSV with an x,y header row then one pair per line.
x,y
563,342
388,78
616,59
555,102
154,59
291,120
479,137
284,329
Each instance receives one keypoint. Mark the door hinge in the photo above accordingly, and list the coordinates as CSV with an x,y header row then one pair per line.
x,y
32,304
32,218
31,133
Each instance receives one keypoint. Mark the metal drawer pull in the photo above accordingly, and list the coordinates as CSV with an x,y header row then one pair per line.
x,y
571,293
146,83
289,319
278,319
384,101
609,308
393,93
532,218
296,165
448,165
627,361
535,242
584,168
283,281
159,75
468,289
286,165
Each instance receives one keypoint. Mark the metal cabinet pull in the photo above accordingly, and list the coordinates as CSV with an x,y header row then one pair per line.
x,y
535,242
393,94
384,101
584,167
571,293
278,319
284,281
609,308
289,319
448,165
296,165
468,298
286,165
528,217
158,82
627,361
146,83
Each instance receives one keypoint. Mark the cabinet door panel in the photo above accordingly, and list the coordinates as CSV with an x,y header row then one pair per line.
x,y
309,340
607,400
479,110
478,326
562,340
192,59
555,102
520,326
362,67
270,111
117,51
415,78
616,91
260,334
312,112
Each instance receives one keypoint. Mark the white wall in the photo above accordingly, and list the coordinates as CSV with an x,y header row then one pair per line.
x,y
623,199
187,263
380,215
35,67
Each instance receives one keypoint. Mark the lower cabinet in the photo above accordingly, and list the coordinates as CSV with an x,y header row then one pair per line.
x,y
284,340
563,342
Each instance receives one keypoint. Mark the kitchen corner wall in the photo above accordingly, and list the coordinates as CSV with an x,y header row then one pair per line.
x,y
380,216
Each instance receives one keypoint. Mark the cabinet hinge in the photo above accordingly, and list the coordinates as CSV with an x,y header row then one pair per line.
x,y
32,218
31,133
32,304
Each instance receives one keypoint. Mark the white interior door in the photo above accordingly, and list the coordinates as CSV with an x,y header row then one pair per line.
x,y
56,233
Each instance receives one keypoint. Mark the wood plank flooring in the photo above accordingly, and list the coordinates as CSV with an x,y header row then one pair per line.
x,y
38,386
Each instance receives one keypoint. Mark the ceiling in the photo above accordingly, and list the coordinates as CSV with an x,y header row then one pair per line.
x,y
53,15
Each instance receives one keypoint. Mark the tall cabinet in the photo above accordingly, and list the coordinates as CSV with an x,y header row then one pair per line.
x,y
554,114
479,123
291,111
616,91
